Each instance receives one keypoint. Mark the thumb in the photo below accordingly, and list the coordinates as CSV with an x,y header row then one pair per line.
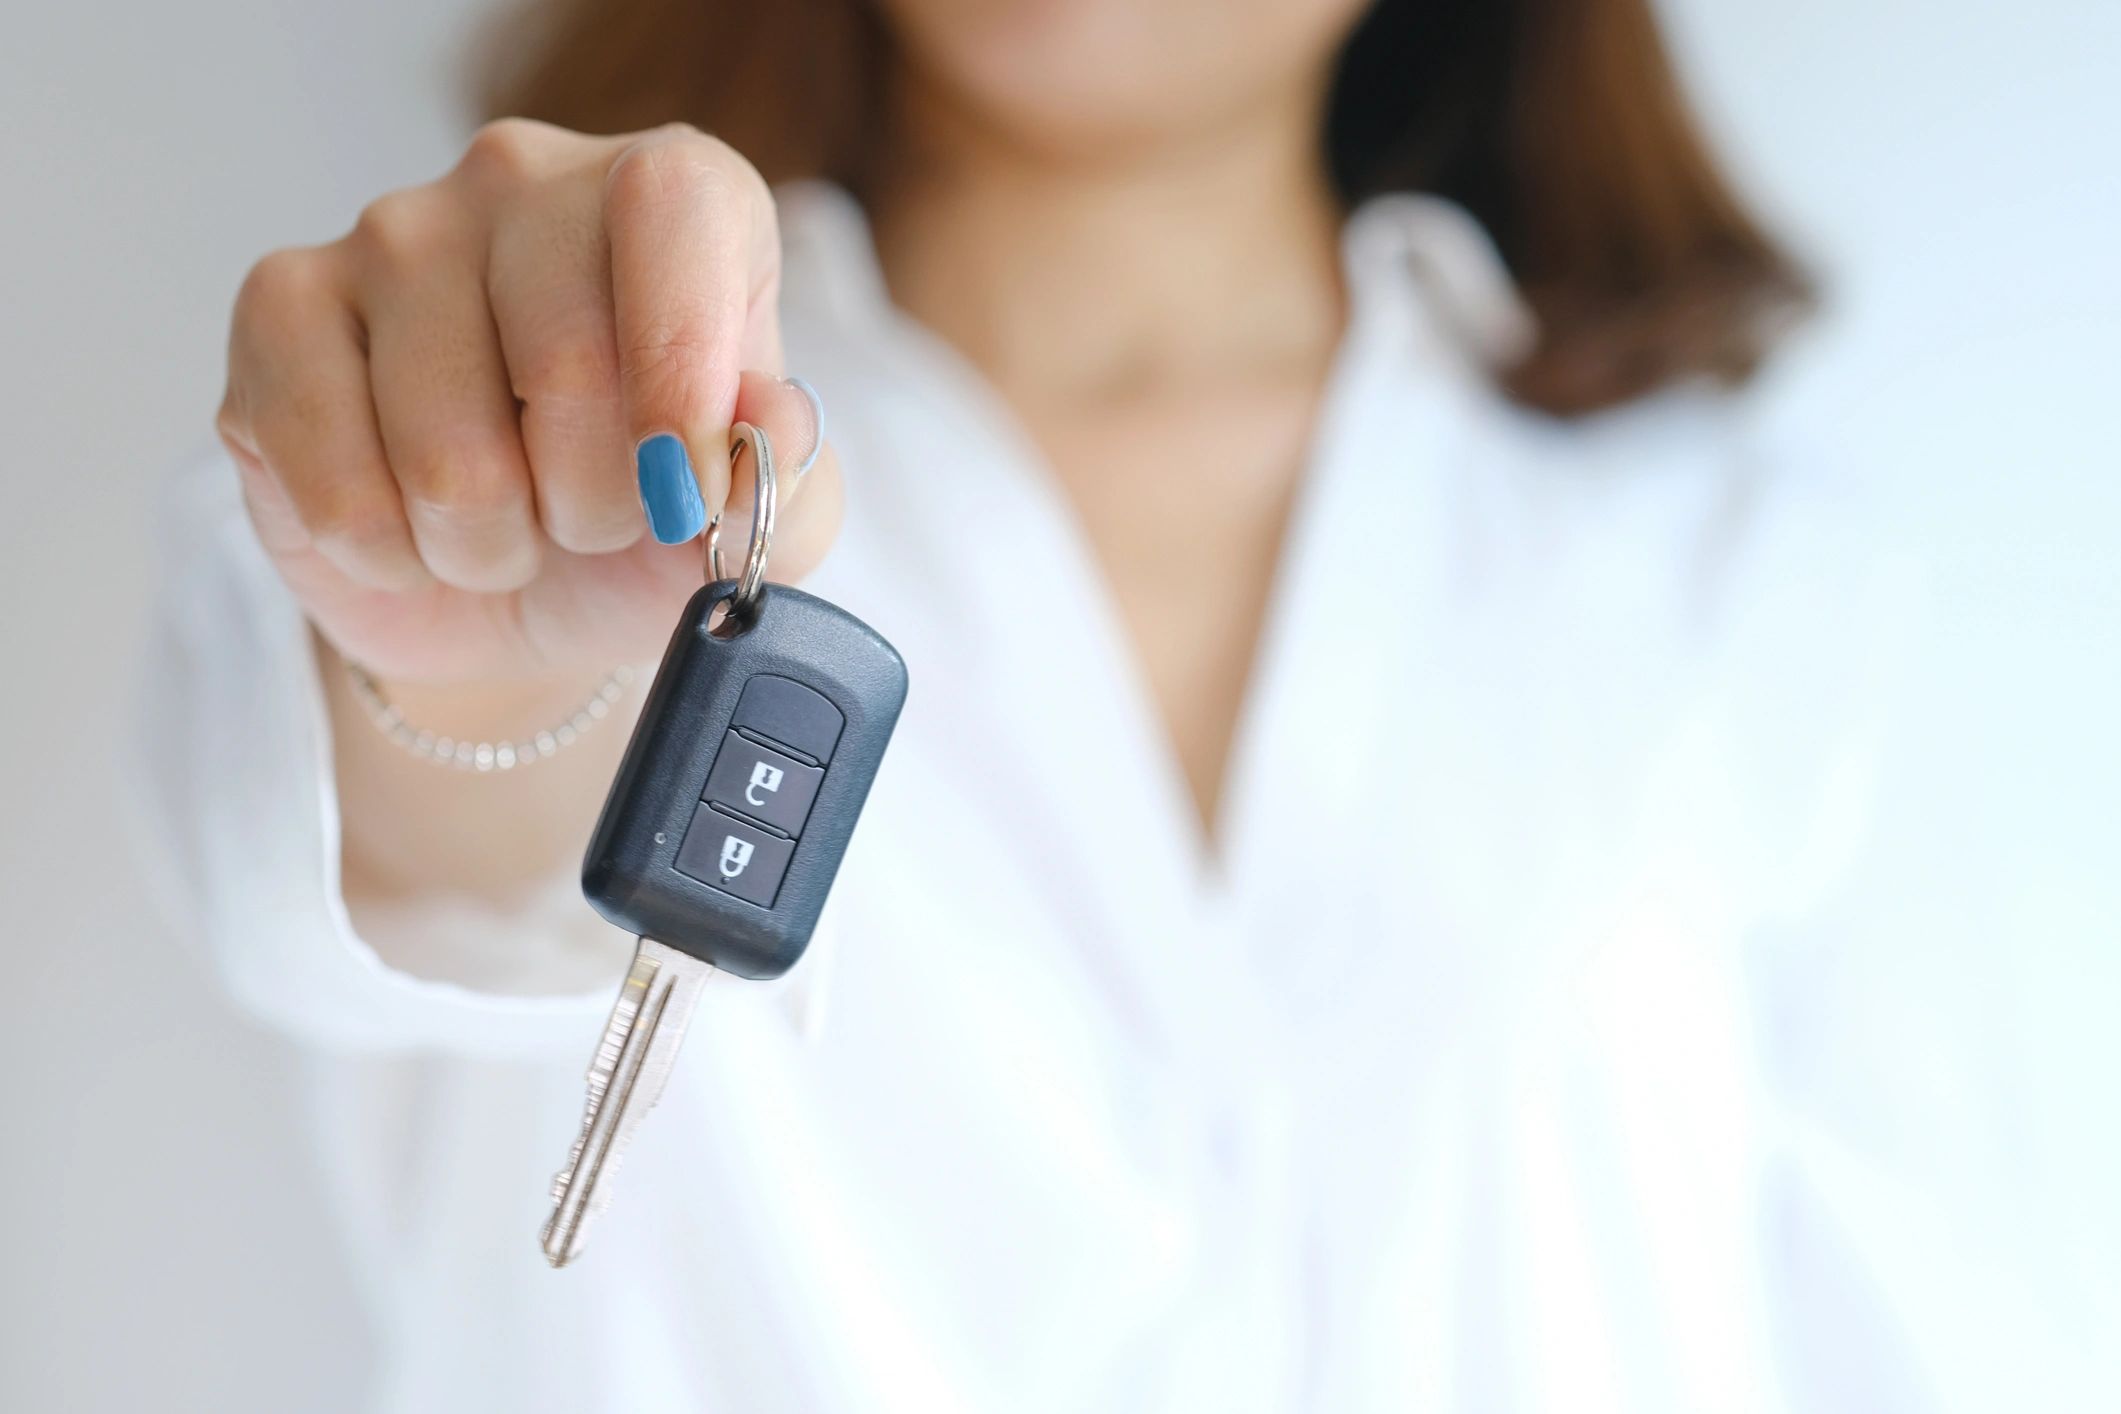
x,y
806,475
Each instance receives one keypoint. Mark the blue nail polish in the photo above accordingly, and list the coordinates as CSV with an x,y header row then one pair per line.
x,y
670,493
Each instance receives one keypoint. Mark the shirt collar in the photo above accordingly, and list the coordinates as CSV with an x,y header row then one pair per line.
x,y
1422,253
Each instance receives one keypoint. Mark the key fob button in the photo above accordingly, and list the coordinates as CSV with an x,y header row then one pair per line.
x,y
744,780
760,782
734,856
798,717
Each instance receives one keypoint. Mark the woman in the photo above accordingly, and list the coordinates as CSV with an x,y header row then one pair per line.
x,y
1379,747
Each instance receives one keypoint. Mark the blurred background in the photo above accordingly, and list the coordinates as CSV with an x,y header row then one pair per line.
x,y
1949,168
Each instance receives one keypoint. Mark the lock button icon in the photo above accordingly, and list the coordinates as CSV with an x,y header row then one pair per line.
x,y
735,856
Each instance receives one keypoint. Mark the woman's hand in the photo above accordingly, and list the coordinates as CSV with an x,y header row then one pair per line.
x,y
437,417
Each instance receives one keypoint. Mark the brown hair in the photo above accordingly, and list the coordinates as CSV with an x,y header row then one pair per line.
x,y
1557,123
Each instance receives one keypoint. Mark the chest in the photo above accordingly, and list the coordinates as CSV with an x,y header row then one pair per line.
x,y
1183,499
1398,1101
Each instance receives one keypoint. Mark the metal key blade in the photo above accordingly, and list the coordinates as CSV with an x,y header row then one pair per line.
x,y
632,1063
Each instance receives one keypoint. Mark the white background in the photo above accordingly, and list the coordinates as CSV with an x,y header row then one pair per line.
x,y
1950,167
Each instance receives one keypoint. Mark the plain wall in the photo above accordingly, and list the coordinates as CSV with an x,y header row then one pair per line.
x,y
165,1246
1949,166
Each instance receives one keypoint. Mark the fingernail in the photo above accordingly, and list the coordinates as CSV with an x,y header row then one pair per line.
x,y
817,408
670,493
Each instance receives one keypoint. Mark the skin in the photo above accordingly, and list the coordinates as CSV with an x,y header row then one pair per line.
x,y
1115,210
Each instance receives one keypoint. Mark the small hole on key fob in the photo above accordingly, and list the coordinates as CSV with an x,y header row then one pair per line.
x,y
723,622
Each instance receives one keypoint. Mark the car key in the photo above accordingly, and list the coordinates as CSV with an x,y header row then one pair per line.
x,y
725,825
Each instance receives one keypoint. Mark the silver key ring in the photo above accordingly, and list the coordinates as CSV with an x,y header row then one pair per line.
x,y
765,502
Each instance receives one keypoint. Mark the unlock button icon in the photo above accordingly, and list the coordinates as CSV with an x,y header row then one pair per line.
x,y
764,777
759,783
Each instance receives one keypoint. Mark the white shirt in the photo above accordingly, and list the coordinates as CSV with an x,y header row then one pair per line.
x,y
1527,1045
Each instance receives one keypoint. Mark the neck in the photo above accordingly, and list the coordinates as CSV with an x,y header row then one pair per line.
x,y
1115,271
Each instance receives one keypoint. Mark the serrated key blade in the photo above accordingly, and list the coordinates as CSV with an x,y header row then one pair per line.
x,y
633,1061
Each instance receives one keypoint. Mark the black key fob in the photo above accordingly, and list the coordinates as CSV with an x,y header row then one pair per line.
x,y
744,778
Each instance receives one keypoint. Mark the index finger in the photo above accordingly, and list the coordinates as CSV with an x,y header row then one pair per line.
x,y
695,268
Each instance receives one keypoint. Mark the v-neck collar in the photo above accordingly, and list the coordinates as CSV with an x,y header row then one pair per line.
x,y
1016,549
